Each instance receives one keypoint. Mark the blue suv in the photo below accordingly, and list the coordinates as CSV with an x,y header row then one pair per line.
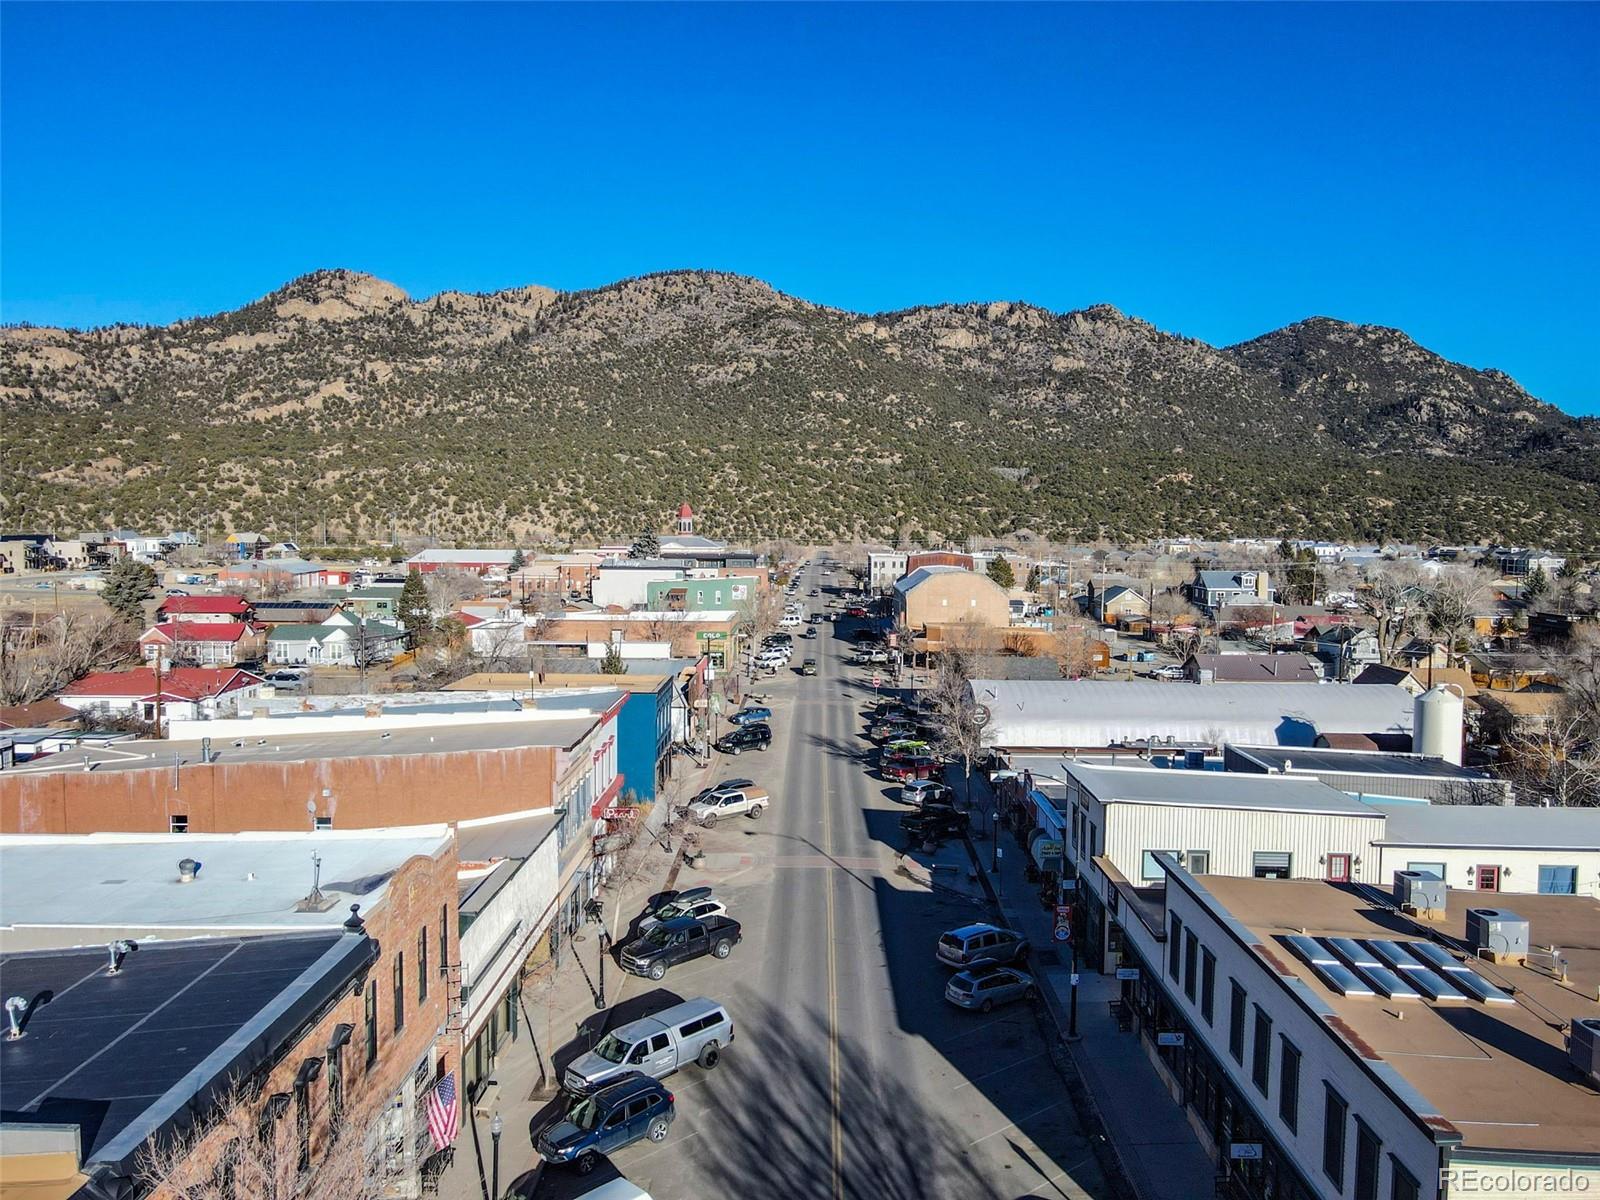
x,y
751,714
632,1107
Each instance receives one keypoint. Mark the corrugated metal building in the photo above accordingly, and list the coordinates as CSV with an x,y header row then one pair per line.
x,y
1092,714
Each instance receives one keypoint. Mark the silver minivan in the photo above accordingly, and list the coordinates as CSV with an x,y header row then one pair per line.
x,y
692,1032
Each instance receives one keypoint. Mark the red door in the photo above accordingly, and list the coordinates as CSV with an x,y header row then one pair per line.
x,y
1338,868
1488,879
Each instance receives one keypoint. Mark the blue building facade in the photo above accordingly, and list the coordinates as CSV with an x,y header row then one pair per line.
x,y
644,738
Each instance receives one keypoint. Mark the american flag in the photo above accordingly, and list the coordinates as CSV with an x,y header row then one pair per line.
x,y
444,1114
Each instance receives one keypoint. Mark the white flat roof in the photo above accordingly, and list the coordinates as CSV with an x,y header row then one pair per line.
x,y
1214,789
1106,712
1503,828
53,884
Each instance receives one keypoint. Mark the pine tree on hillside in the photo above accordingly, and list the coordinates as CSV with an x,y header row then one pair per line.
x,y
1033,579
517,561
128,585
416,613
646,545
1000,571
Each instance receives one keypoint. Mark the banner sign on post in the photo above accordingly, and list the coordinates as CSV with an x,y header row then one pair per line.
x,y
1244,1150
1169,1039
1128,973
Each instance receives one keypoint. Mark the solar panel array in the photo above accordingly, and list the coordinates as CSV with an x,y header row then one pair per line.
x,y
1396,970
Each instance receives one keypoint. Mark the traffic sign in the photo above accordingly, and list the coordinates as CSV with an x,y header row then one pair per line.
x,y
877,680
1063,934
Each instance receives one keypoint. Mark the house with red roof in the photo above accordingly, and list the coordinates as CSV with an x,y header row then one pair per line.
x,y
204,643
185,693
207,609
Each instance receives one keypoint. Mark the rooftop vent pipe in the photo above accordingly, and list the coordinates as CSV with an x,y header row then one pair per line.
x,y
16,1012
188,868
120,949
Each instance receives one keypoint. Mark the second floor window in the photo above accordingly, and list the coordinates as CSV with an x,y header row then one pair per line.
x,y
399,991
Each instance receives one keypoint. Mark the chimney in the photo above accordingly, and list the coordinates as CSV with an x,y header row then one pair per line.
x,y
1263,585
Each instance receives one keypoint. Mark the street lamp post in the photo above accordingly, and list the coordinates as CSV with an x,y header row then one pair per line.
x,y
496,1127
604,941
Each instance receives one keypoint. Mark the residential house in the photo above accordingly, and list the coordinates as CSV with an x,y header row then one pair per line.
x,y
72,554
1417,680
41,714
344,639
1519,562
197,610
1345,648
375,601
1213,590
293,612
185,693
1118,603
247,544
203,643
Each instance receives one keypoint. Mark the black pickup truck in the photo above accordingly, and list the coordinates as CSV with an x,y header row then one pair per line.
x,y
674,942
934,823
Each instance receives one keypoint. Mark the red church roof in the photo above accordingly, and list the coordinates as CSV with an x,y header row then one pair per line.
x,y
180,683
684,510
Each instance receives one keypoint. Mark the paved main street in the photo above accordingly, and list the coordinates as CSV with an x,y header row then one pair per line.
x,y
850,1076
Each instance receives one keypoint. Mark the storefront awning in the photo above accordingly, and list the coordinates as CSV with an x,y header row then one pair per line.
x,y
1047,851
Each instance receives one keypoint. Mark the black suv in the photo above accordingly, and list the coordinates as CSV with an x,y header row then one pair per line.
x,y
746,737
632,1107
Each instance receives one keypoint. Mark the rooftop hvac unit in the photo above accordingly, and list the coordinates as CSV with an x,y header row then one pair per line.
x,y
1583,1047
1419,891
1497,935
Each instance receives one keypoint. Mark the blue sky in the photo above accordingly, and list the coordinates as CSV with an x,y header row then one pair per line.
x,y
1220,171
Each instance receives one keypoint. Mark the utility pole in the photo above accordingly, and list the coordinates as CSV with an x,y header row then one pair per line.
x,y
158,690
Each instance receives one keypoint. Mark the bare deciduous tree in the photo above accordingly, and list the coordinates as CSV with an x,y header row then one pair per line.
x,y
1075,648
66,647
1392,595
251,1149
1451,602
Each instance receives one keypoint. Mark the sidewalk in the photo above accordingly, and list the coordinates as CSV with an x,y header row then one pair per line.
x,y
1159,1151
564,1023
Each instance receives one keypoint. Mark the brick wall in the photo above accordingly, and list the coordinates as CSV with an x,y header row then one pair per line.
x,y
364,792
419,894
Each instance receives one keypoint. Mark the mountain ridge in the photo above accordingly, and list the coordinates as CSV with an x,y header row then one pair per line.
x,y
535,412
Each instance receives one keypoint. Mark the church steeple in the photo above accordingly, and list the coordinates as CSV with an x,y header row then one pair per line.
x,y
685,518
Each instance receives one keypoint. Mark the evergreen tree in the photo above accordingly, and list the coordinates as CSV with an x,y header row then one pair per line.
x,y
128,585
613,662
1033,579
1000,571
646,545
517,561
1536,585
416,613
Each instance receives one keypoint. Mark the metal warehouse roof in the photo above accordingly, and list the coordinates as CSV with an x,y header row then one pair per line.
x,y
1102,712
1504,828
1214,789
